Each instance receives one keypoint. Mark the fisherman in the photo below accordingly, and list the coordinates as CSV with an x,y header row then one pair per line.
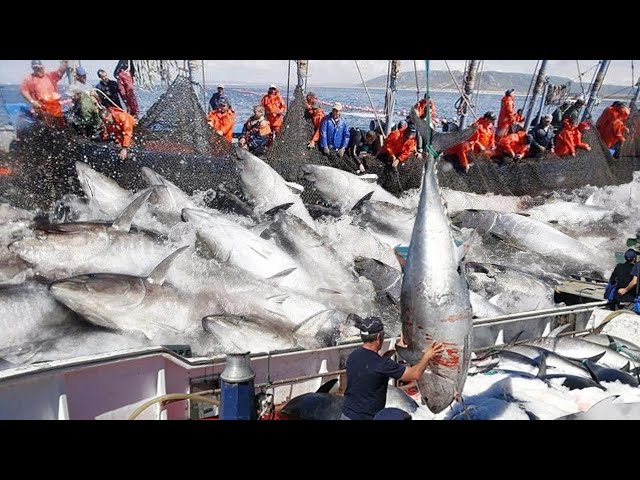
x,y
460,153
118,125
542,138
363,148
124,74
108,91
40,89
256,132
84,116
222,120
556,116
632,286
334,132
310,99
368,373
573,112
421,109
519,118
570,138
611,126
622,275
275,108
217,97
507,114
484,136
399,146
515,145
317,114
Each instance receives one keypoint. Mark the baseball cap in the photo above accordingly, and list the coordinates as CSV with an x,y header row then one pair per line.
x,y
337,106
81,72
36,63
220,85
630,254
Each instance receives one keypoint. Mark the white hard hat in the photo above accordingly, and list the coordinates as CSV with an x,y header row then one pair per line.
x,y
273,86
220,85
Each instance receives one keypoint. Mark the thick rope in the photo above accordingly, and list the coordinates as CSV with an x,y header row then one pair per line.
x,y
370,100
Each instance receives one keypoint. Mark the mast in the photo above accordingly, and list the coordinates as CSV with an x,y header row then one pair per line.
x,y
544,96
595,88
542,73
633,105
469,84
303,71
390,97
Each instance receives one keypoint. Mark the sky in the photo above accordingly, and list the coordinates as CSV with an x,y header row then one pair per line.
x,y
327,72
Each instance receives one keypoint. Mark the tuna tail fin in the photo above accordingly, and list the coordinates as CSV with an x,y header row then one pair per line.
x,y
358,206
554,333
295,188
157,276
327,386
123,222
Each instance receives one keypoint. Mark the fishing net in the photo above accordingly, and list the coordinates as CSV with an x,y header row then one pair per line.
x,y
173,139
534,176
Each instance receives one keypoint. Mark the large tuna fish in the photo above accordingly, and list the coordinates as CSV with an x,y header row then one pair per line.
x,y
345,189
435,300
267,189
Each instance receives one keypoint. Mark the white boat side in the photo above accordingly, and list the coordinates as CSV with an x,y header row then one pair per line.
x,y
114,385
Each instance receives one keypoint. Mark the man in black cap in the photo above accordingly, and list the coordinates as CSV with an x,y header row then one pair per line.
x,y
368,373
626,274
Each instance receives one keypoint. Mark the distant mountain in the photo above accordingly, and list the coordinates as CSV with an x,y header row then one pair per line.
x,y
489,81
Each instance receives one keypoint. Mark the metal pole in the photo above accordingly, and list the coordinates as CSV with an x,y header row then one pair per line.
x,y
204,88
636,95
595,89
544,96
469,84
542,73
303,71
390,98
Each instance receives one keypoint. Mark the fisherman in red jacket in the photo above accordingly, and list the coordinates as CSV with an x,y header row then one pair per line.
x,y
399,146
222,120
507,114
40,89
317,114
119,125
275,108
570,138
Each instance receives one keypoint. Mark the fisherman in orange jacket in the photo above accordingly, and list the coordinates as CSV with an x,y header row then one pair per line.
x,y
421,108
514,145
222,119
399,146
461,152
570,138
611,126
119,125
507,114
317,114
40,89
484,137
275,108
310,99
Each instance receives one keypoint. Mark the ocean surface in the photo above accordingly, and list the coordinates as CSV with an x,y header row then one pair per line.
x,y
355,101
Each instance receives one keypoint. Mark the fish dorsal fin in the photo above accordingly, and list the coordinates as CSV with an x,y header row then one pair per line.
x,y
597,357
542,365
295,187
327,386
314,320
157,276
358,206
369,177
554,333
522,214
123,222
612,343
589,365
626,367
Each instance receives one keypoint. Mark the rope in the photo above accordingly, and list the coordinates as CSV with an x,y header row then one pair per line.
x,y
370,100
580,77
415,70
479,82
462,94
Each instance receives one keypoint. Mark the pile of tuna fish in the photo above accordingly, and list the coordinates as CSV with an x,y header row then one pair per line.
x,y
119,269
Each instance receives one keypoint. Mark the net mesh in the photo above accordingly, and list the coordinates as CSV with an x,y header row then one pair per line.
x,y
174,139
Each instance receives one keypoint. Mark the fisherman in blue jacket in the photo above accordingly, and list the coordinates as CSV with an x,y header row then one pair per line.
x,y
334,132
